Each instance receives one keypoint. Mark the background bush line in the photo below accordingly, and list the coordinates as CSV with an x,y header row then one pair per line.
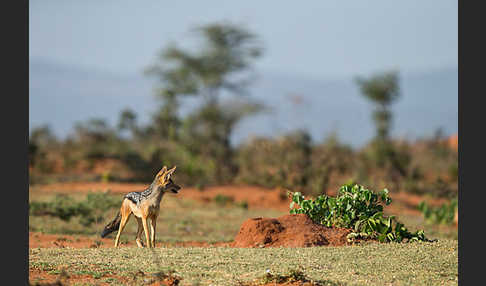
x,y
292,161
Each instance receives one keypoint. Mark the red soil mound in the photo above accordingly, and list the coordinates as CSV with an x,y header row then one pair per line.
x,y
288,231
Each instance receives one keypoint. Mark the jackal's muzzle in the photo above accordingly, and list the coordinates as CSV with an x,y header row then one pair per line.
x,y
175,189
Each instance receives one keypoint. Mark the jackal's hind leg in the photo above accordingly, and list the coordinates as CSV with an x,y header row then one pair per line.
x,y
138,239
123,222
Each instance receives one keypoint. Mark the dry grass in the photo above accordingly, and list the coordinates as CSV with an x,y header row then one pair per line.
x,y
369,264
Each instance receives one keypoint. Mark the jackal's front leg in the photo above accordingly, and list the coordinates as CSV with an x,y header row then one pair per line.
x,y
152,230
138,239
145,228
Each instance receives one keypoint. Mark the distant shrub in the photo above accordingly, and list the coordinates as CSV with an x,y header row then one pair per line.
x,y
64,207
61,206
331,162
282,162
223,200
106,177
243,204
453,171
192,169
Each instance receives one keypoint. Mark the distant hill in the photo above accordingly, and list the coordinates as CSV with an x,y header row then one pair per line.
x,y
60,95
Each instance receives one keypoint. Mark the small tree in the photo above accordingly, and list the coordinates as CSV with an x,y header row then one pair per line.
x,y
95,138
382,90
41,142
128,121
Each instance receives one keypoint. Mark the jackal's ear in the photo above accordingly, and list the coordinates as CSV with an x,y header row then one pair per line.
x,y
161,172
169,173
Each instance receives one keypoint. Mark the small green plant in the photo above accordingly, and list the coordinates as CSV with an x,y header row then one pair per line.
x,y
106,177
357,208
440,215
243,204
223,200
293,276
93,273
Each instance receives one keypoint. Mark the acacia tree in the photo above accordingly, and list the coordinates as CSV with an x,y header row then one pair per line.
x,y
221,63
383,90
128,122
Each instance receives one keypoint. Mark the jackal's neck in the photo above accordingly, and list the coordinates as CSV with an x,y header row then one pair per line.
x,y
155,192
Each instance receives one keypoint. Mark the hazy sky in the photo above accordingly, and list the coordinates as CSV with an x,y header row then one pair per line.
x,y
319,39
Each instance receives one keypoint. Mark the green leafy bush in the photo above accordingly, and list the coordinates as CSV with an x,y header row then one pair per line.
x,y
358,208
441,215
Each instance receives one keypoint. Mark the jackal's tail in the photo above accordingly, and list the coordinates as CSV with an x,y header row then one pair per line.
x,y
112,226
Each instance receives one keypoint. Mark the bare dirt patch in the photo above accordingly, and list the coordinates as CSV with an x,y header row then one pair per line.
x,y
256,197
288,231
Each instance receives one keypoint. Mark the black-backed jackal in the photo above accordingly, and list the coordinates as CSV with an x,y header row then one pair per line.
x,y
143,205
